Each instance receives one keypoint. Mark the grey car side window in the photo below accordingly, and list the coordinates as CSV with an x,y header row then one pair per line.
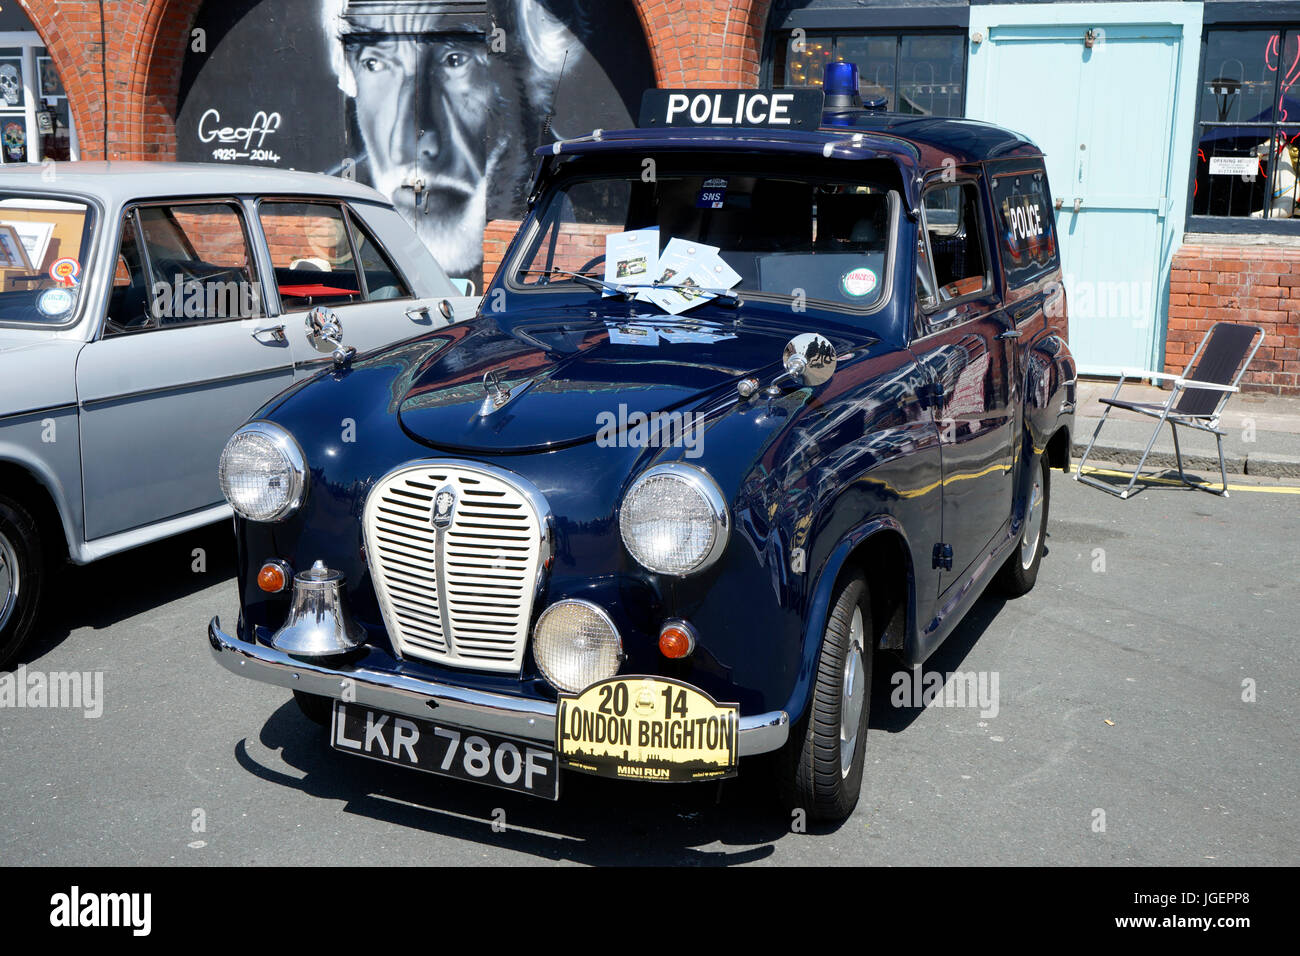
x,y
182,264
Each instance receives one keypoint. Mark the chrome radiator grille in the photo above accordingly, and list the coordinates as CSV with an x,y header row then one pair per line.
x,y
454,552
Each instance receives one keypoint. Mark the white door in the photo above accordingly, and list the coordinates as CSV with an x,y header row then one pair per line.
x,y
1104,116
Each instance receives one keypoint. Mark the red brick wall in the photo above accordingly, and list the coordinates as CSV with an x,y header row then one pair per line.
x,y
146,42
705,42
1252,284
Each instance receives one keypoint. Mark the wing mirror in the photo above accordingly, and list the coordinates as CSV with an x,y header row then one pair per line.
x,y
809,359
325,333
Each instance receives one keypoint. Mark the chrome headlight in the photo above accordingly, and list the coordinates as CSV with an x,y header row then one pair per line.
x,y
674,519
575,644
262,472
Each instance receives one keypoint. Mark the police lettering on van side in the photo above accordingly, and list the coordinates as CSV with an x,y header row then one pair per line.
x,y
776,109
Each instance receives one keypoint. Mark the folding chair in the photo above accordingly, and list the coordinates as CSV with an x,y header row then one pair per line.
x,y
1196,401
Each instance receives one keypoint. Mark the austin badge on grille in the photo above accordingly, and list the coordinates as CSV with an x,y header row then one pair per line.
x,y
444,505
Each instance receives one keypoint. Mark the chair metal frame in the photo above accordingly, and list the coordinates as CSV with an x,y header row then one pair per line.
x,y
1207,423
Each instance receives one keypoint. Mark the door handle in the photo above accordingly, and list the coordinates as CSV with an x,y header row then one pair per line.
x,y
1077,204
276,332
1009,334
415,314
1058,204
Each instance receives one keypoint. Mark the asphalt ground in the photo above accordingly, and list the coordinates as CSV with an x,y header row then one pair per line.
x,y
1146,714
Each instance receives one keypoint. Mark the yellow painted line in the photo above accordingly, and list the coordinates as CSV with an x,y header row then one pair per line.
x,y
1142,479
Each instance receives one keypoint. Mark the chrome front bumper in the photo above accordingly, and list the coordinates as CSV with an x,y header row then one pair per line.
x,y
429,700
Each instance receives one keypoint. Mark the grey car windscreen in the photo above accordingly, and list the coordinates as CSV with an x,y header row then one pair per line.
x,y
44,246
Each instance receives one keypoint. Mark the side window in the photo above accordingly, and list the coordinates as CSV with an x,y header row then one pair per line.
x,y
382,280
128,303
954,228
1026,224
311,252
198,264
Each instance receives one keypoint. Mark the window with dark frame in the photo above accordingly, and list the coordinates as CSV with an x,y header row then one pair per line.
x,y
919,73
1248,127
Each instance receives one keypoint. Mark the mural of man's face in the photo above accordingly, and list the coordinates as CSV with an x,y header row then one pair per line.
x,y
424,105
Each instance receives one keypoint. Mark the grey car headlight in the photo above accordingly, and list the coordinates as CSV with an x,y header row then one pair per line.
x,y
674,519
262,472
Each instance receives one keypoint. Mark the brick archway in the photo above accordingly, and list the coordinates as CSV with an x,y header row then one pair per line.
x,y
146,45
707,43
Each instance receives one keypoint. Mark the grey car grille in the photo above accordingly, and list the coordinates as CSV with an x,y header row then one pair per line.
x,y
461,594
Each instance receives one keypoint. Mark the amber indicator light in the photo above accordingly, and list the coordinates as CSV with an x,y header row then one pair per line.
x,y
675,642
271,578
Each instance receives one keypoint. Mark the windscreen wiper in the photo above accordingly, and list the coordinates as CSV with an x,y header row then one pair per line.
x,y
725,294
626,291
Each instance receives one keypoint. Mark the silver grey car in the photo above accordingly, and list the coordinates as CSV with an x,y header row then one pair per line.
x,y
146,311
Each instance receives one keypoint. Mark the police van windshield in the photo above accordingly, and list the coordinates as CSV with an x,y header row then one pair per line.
x,y
779,235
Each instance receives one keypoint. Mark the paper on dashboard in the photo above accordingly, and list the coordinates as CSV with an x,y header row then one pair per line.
x,y
631,258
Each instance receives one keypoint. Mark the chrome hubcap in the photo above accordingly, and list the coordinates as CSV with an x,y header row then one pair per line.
x,y
8,580
1033,527
852,695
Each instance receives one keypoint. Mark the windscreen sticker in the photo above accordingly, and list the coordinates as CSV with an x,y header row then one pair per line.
x,y
54,302
66,272
858,282
713,195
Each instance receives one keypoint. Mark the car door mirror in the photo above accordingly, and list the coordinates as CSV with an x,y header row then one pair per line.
x,y
324,329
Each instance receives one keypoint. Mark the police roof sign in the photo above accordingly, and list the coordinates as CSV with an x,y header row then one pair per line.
x,y
769,109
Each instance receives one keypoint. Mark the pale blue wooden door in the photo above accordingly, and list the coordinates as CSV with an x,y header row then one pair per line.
x,y
1103,117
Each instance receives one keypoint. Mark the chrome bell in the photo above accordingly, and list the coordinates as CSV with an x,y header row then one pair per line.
x,y
319,624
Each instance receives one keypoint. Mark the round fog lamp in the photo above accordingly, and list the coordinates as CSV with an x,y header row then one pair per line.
x,y
575,645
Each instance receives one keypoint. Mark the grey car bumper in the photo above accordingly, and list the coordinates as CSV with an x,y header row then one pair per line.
x,y
457,706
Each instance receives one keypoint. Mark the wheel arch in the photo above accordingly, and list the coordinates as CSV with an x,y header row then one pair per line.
x,y
1058,448
879,549
31,487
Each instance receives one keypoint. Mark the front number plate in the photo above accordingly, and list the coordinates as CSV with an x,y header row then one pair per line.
x,y
450,751
647,728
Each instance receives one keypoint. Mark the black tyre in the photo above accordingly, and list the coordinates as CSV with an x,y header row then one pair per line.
x,y
315,708
22,576
1018,574
822,766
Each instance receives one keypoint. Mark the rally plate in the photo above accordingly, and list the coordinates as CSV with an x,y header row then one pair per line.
x,y
506,762
647,728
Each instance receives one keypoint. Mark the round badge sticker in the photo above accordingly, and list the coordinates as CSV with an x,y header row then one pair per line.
x,y
65,271
858,282
53,302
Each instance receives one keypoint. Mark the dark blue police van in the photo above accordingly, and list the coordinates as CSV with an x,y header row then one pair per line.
x,y
762,390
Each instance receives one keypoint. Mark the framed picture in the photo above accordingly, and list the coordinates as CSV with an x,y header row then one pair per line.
x,y
12,95
13,138
35,237
51,85
12,253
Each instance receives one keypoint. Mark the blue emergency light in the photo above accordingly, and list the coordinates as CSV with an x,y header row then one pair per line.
x,y
840,84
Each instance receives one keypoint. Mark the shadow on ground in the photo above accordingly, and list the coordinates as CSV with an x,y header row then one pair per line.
x,y
596,821
115,589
